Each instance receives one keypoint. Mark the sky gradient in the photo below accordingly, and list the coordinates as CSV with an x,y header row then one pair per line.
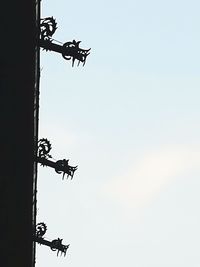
x,y
130,120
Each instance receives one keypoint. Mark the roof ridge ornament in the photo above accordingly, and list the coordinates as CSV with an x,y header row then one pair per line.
x,y
60,166
69,50
55,245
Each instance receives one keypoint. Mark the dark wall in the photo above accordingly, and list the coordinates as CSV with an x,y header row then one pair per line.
x,y
17,75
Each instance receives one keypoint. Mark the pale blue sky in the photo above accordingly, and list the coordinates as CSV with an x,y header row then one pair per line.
x,y
130,120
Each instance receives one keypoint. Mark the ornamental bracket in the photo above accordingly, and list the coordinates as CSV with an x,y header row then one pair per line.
x,y
60,166
69,50
55,245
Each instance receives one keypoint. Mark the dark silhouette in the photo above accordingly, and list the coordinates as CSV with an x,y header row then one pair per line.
x,y
41,229
55,245
17,92
44,147
69,50
60,166
47,28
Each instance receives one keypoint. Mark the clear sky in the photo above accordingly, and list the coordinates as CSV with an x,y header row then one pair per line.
x,y
130,120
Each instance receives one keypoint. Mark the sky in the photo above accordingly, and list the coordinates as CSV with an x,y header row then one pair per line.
x,y
130,120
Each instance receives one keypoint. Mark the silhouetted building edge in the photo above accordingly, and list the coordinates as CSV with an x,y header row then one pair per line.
x,y
18,81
